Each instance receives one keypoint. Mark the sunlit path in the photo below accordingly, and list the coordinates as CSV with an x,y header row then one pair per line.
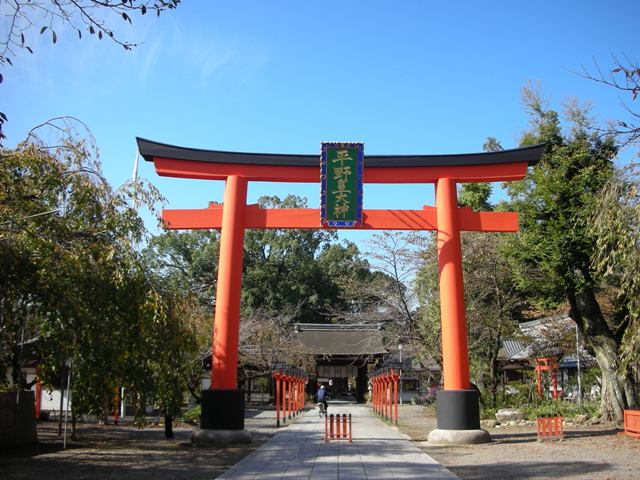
x,y
377,452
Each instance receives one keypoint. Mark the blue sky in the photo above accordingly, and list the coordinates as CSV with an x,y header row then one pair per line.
x,y
282,76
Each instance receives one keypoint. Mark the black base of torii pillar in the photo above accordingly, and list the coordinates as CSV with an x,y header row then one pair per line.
x,y
222,410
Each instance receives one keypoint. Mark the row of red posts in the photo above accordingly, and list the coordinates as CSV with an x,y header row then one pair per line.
x,y
384,389
332,426
550,428
289,385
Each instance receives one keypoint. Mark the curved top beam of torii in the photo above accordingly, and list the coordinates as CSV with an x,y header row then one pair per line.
x,y
504,165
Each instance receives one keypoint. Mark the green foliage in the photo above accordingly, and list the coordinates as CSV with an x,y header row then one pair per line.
x,y
523,397
302,270
557,408
428,296
281,270
616,225
73,279
192,415
554,249
288,276
555,254
187,261
476,196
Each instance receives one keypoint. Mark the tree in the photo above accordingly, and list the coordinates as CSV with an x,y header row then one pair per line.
x,y
616,225
428,331
477,195
357,287
288,276
75,282
188,261
186,264
95,17
494,305
281,271
625,78
554,253
266,339
395,261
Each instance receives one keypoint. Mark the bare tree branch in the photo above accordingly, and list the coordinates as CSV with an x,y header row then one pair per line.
x,y
624,77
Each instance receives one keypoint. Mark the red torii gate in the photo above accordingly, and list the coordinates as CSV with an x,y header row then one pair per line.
x,y
223,404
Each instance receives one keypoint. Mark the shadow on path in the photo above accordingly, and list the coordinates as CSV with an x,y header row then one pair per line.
x,y
523,470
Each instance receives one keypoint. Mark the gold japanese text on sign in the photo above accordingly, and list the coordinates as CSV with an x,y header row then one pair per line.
x,y
341,179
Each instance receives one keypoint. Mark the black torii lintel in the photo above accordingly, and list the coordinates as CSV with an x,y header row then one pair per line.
x,y
150,149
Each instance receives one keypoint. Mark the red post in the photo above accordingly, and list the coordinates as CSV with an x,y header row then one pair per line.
x,y
388,394
326,430
338,435
380,396
383,395
284,398
373,393
301,398
38,397
374,396
455,361
539,379
344,425
289,382
276,378
395,398
349,428
331,435
224,374
294,391
385,411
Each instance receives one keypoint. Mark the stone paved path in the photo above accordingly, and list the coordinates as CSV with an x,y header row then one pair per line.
x,y
377,452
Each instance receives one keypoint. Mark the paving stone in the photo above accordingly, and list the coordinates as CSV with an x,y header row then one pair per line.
x,y
377,452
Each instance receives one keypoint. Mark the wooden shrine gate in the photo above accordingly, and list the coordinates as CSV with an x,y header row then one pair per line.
x,y
223,403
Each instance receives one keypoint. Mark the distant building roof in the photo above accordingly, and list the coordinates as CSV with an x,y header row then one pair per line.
x,y
515,350
330,339
534,342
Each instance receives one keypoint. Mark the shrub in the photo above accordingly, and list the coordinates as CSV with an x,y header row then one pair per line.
x,y
192,415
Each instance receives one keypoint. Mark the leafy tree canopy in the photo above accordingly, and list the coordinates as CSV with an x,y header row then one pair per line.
x,y
72,281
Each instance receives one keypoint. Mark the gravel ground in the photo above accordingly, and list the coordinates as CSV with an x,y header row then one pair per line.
x,y
586,452
108,452
124,452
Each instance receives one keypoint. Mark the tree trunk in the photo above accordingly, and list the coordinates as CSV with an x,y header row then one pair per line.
x,y
63,389
494,367
168,426
106,405
617,390
73,423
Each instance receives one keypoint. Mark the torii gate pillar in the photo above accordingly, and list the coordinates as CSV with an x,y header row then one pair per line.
x,y
223,404
458,406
